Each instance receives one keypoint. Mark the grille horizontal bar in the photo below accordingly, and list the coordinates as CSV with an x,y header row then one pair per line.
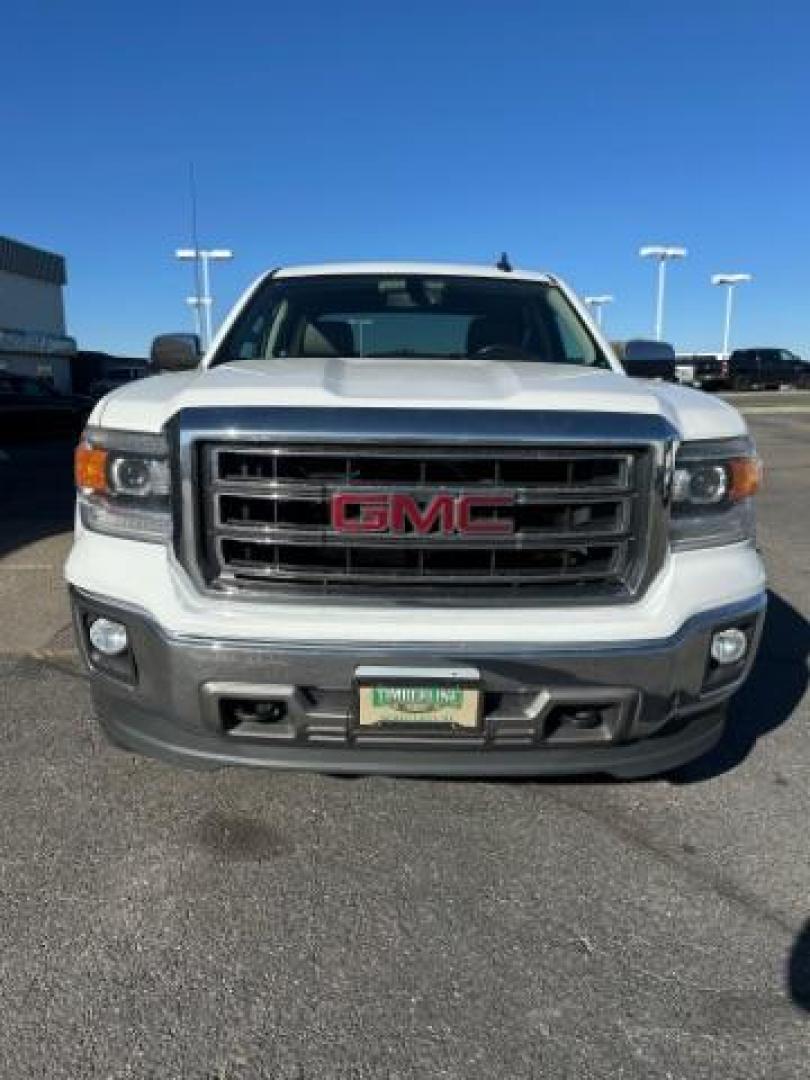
x,y
574,517
521,494
536,524
440,567
528,542
286,466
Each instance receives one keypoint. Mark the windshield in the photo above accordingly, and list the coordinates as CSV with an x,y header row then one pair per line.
x,y
390,315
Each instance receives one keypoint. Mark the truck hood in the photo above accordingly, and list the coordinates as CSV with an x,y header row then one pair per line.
x,y
146,405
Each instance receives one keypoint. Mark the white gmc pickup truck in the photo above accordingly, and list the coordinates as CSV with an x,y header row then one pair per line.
x,y
414,518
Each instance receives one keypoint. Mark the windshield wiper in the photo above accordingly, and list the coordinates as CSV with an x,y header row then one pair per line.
x,y
408,353
505,352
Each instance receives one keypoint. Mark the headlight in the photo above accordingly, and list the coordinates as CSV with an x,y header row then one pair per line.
x,y
712,487
123,484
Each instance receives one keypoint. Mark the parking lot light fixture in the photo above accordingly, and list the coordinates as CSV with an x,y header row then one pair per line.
x,y
662,253
203,256
730,281
597,303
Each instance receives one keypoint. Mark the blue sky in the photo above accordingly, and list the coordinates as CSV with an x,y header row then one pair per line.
x,y
566,133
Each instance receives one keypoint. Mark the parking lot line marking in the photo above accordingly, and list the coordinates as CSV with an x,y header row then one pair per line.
x,y
28,566
770,408
39,654
763,409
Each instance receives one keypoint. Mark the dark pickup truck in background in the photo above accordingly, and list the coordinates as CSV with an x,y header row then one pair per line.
x,y
766,368
708,371
30,408
743,369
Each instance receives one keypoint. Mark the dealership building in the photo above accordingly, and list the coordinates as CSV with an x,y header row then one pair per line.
x,y
32,314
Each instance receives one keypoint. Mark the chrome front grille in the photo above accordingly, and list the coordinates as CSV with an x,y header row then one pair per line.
x,y
580,519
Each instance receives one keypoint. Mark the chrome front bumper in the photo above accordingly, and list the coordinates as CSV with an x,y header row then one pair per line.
x,y
661,702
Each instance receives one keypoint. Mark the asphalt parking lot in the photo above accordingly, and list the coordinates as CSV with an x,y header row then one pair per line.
x,y
160,923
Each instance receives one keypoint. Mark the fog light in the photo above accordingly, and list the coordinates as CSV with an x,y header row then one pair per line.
x,y
110,638
729,646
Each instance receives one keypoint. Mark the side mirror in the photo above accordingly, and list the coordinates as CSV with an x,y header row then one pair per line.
x,y
175,352
644,359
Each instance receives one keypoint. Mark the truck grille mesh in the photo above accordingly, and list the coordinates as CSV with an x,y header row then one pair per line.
x,y
579,519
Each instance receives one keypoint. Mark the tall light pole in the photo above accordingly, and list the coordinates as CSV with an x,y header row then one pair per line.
x,y
195,303
203,256
597,303
663,254
360,324
730,281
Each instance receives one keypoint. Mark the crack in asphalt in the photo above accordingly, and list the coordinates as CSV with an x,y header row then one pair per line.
x,y
702,878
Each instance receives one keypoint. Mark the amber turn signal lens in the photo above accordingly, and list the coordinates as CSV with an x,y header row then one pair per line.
x,y
746,477
90,468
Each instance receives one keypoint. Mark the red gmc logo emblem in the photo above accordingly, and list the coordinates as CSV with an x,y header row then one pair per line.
x,y
444,514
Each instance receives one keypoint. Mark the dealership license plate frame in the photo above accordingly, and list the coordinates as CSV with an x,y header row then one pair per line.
x,y
371,716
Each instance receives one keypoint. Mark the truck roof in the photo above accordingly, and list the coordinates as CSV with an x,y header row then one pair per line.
x,y
445,269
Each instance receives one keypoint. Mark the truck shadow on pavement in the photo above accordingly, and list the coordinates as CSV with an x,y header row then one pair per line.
x,y
36,492
776,685
798,973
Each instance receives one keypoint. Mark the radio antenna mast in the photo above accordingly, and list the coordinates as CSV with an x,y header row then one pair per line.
x,y
192,186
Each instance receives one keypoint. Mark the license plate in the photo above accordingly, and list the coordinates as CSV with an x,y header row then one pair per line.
x,y
409,702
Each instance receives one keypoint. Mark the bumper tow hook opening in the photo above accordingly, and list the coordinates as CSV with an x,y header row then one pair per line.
x,y
580,724
237,713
